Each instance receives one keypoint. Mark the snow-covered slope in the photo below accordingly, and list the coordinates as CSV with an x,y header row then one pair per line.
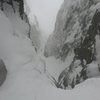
x,y
14,10
21,60
27,79
16,44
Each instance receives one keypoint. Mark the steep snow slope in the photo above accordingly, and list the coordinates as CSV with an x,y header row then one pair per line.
x,y
22,62
27,79
21,22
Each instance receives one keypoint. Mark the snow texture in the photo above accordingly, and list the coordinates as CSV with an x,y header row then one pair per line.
x,y
27,77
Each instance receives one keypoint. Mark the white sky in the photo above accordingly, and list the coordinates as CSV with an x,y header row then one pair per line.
x,y
46,11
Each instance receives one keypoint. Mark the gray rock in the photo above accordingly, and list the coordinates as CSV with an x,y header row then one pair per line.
x,y
3,72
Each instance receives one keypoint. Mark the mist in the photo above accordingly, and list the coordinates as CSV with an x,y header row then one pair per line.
x,y
46,12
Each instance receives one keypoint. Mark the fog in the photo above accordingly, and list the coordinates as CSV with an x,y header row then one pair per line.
x,y
46,12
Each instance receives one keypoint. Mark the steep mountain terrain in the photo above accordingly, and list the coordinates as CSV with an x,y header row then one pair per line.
x,y
75,34
14,10
24,72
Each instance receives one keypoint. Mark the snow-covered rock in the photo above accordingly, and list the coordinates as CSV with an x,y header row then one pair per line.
x,y
18,13
27,77
76,28
16,48
73,21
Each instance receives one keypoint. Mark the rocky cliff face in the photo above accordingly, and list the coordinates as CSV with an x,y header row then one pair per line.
x,y
75,33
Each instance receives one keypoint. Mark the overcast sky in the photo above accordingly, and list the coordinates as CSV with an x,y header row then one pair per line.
x,y
46,11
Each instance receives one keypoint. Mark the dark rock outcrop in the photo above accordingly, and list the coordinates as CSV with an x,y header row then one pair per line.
x,y
3,72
